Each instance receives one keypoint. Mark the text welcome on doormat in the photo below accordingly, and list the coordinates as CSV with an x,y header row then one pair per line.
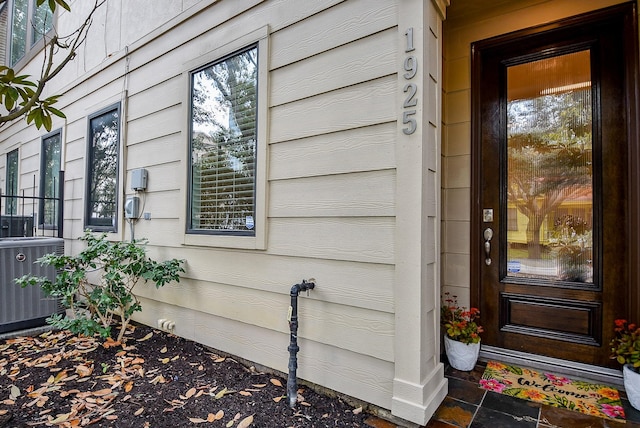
x,y
554,390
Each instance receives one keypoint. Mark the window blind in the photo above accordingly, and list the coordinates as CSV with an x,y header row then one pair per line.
x,y
223,143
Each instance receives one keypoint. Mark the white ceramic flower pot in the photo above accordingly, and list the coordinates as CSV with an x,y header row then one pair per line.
x,y
632,385
461,356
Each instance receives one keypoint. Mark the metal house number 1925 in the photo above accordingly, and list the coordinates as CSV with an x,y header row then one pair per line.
x,y
410,89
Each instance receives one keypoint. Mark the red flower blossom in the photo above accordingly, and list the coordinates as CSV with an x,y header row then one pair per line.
x,y
459,323
625,346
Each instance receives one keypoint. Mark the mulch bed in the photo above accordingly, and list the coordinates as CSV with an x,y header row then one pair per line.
x,y
154,379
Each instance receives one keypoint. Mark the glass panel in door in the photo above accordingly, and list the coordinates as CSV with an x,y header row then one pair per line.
x,y
550,170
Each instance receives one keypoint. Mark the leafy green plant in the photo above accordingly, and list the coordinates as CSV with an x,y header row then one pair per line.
x,y
459,323
22,95
625,346
94,307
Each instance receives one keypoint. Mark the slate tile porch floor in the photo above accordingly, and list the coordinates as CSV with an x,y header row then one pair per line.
x,y
467,405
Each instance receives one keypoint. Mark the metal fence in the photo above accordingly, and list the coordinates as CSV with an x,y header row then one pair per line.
x,y
25,215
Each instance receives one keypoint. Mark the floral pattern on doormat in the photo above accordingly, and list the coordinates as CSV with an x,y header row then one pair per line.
x,y
554,390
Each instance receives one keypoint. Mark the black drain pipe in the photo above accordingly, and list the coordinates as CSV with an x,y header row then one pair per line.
x,y
292,383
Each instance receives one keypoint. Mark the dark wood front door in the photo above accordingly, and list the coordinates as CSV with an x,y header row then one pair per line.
x,y
550,185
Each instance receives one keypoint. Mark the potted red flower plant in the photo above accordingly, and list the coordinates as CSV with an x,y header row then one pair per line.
x,y
625,349
462,333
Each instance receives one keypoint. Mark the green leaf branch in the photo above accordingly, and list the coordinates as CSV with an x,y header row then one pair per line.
x,y
21,95
96,307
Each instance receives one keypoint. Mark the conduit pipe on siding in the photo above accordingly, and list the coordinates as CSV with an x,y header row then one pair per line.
x,y
292,383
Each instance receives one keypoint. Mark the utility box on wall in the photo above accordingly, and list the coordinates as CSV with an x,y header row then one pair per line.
x,y
139,179
27,307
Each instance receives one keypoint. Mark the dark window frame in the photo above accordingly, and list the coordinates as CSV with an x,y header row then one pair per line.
x,y
190,192
44,195
89,224
11,207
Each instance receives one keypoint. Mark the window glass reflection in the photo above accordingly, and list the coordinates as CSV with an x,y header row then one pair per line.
x,y
550,169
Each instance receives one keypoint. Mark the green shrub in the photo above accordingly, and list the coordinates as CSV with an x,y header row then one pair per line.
x,y
96,307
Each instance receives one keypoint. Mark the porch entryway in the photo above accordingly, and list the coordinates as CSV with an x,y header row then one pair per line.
x,y
551,247
550,151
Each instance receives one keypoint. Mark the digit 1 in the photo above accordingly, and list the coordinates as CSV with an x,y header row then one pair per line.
x,y
409,34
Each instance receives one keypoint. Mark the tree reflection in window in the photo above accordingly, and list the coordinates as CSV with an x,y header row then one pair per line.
x,y
550,166
103,169
49,184
29,23
223,144
11,178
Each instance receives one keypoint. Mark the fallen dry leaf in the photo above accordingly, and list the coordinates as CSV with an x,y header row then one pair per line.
x,y
147,337
83,371
102,392
139,411
158,379
245,393
109,343
276,382
14,392
61,375
246,422
59,418
190,393
221,393
197,420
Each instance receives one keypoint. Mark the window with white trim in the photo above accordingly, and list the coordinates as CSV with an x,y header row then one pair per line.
x,y
223,145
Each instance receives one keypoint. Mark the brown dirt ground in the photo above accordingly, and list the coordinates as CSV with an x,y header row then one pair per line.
x,y
154,379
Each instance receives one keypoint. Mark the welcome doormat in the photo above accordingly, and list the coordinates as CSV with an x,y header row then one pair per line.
x,y
554,390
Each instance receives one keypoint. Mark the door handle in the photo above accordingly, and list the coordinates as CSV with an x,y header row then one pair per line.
x,y
488,234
